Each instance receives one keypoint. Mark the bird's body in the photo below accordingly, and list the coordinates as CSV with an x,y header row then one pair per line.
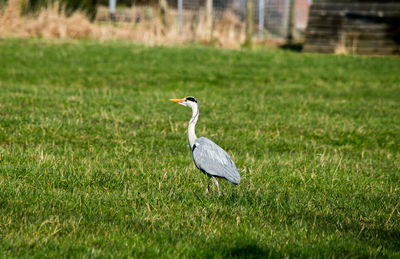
x,y
208,157
212,160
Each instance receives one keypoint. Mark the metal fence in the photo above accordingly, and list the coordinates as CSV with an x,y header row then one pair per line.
x,y
271,17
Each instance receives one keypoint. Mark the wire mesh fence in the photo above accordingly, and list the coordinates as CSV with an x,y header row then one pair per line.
x,y
271,17
222,23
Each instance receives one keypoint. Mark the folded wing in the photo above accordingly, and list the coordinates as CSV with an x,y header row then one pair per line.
x,y
213,160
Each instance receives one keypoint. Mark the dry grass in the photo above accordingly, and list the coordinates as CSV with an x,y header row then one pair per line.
x,y
49,23
348,43
227,32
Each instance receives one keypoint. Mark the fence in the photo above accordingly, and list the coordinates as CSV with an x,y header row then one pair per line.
x,y
271,17
221,23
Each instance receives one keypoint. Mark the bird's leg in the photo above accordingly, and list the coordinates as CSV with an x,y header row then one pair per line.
x,y
216,183
208,185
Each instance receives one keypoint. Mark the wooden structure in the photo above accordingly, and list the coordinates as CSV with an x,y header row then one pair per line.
x,y
360,27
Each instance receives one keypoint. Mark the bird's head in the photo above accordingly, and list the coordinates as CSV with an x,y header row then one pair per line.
x,y
189,101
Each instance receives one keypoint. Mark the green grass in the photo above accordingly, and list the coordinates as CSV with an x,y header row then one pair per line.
x,y
94,159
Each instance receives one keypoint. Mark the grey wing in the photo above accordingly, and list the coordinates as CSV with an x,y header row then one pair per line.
x,y
213,160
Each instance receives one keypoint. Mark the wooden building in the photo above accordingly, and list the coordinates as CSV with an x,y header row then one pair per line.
x,y
357,26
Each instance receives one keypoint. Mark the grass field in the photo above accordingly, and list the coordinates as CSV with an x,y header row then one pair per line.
x,y
94,159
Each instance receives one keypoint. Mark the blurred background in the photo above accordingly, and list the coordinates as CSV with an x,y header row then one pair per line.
x,y
358,26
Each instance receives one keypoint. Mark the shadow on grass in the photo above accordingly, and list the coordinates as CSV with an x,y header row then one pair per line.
x,y
375,236
354,231
251,251
297,47
242,250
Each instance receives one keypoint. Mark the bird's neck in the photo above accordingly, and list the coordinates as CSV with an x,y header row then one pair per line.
x,y
192,123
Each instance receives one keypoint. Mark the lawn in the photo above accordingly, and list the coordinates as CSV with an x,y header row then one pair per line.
x,y
94,159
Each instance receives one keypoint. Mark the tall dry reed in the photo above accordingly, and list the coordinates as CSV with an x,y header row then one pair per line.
x,y
228,31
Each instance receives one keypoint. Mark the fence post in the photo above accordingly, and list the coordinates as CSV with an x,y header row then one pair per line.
x,y
249,23
112,4
292,22
180,7
261,11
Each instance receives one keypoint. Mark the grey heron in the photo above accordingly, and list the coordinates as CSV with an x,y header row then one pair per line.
x,y
207,156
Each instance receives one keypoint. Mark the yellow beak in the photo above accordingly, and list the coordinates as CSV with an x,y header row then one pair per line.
x,y
177,100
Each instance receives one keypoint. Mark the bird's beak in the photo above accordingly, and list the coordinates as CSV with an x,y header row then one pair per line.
x,y
177,100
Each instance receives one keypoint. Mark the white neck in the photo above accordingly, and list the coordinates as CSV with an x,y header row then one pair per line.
x,y
192,123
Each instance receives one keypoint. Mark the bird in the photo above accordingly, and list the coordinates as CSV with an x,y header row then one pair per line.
x,y
207,156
